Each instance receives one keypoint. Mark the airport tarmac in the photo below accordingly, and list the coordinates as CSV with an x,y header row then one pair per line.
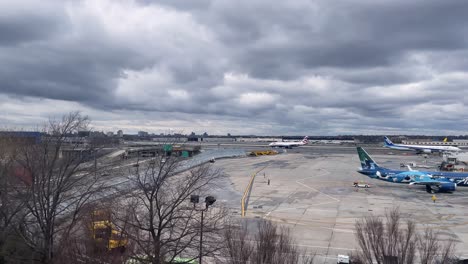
x,y
311,192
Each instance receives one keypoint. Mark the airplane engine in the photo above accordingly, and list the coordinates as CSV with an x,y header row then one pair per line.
x,y
427,151
443,187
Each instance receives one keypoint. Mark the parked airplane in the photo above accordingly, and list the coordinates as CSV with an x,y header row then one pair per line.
x,y
435,181
290,144
419,148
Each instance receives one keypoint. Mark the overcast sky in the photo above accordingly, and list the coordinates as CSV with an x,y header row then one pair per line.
x,y
245,67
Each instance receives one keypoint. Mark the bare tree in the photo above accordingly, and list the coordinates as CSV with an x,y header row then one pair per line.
x,y
270,244
82,245
432,250
428,247
165,224
238,248
61,183
387,240
11,208
447,254
275,245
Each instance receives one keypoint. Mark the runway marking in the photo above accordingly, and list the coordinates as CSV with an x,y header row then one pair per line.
x,y
307,186
309,223
299,220
358,197
339,248
339,230
310,188
309,207
302,208
307,246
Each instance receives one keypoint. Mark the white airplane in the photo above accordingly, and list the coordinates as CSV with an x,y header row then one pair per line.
x,y
420,148
290,144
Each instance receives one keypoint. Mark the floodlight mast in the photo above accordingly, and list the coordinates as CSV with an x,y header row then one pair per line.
x,y
209,200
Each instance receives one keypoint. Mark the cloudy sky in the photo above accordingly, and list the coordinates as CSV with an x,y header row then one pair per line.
x,y
245,67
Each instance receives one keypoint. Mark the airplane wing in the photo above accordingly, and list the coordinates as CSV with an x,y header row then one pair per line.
x,y
426,182
419,177
437,185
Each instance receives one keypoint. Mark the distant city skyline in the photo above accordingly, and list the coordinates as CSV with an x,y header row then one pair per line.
x,y
241,67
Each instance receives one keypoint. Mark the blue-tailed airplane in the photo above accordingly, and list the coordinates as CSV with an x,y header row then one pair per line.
x,y
435,181
420,148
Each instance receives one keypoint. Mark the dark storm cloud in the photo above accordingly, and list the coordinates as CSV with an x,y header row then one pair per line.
x,y
79,62
16,30
337,34
61,74
285,67
41,23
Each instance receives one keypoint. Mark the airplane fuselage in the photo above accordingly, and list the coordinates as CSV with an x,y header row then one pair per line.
x,y
289,144
285,144
399,176
435,181
420,148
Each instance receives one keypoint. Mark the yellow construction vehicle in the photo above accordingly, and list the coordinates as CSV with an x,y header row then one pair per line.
x,y
105,233
263,152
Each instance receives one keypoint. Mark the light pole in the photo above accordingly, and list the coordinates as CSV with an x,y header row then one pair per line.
x,y
209,200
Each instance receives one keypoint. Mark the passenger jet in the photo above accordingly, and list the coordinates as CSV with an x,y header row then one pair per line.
x,y
290,144
435,181
420,148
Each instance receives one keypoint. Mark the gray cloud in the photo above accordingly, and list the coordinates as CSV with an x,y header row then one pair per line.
x,y
41,22
294,67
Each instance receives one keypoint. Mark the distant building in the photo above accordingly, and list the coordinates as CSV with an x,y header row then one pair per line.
x,y
120,133
142,134
97,134
20,137
84,133
215,139
192,137
169,139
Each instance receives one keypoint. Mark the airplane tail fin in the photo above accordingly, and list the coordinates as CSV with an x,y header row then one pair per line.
x,y
445,139
305,140
366,161
388,142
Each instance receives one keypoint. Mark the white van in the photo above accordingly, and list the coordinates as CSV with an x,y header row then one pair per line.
x,y
342,259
